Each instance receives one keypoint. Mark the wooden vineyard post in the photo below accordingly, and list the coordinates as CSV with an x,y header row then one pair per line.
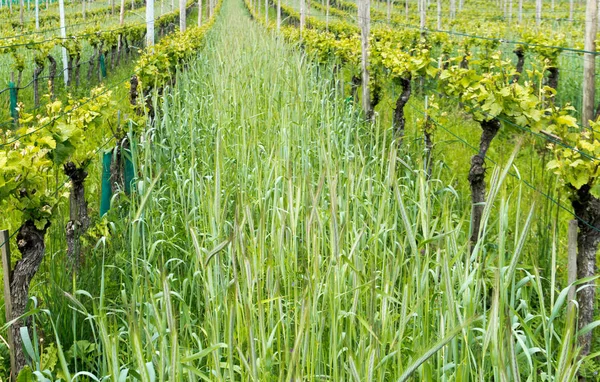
x,y
571,10
6,269
122,13
150,23
388,11
589,62
364,23
327,17
199,13
439,14
302,15
37,14
423,15
182,16
63,35
279,13
572,259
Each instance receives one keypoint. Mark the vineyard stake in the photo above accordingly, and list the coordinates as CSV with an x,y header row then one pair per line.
x,y
423,15
439,14
589,62
388,11
37,14
279,13
150,23
6,268
63,35
571,10
364,23
182,15
326,16
199,13
302,15
122,13
572,259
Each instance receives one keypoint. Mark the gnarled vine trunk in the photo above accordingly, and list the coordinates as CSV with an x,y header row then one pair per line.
x,y
552,77
446,62
464,63
374,100
126,45
133,90
477,176
79,221
77,69
519,51
30,242
399,121
37,70
113,55
587,209
92,63
70,71
117,167
51,75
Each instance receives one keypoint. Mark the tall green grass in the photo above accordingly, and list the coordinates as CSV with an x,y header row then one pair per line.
x,y
276,236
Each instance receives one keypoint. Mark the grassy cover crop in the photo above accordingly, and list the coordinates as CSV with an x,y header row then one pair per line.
x,y
274,234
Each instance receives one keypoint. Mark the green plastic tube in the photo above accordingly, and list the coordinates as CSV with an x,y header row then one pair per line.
x,y
13,101
129,171
106,193
102,65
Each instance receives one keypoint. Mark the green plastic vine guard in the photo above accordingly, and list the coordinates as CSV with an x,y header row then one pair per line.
x,y
102,65
13,101
106,193
129,171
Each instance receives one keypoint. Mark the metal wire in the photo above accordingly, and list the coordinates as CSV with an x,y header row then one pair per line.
x,y
462,34
33,43
512,174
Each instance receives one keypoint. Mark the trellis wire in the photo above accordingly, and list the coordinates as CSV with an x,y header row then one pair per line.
x,y
520,179
462,34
